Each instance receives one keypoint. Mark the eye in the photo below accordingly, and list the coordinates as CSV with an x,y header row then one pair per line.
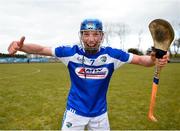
x,y
85,34
96,34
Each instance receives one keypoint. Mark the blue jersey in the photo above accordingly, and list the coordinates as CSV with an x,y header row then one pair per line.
x,y
90,76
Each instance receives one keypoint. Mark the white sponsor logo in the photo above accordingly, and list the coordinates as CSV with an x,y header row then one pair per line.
x,y
92,73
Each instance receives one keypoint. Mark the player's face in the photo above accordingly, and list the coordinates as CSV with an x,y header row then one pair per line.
x,y
92,40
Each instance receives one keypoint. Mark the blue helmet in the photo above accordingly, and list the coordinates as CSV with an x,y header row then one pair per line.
x,y
91,24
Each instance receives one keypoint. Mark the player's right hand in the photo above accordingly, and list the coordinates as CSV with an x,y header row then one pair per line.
x,y
15,46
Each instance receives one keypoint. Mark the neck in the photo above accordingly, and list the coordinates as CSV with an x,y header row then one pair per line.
x,y
91,52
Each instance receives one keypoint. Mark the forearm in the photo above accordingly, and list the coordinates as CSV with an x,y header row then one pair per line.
x,y
143,60
36,49
146,61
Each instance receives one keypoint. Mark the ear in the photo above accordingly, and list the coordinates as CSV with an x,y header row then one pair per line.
x,y
80,34
102,38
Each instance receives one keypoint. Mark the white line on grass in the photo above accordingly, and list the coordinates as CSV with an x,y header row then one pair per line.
x,y
27,74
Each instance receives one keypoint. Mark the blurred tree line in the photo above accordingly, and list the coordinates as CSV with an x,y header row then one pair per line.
x,y
135,51
122,30
14,56
176,46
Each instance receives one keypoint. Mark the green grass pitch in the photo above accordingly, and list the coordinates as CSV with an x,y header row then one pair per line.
x,y
33,96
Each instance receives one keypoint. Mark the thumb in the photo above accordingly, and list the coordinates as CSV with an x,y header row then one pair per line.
x,y
21,42
153,56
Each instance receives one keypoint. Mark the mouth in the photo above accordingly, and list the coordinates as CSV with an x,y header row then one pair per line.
x,y
91,45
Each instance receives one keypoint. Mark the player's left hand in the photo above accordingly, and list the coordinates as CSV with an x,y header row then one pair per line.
x,y
162,61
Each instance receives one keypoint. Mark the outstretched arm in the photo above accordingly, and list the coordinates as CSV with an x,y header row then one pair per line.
x,y
149,61
28,48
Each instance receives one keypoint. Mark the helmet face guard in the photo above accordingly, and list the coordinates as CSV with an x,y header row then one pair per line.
x,y
91,25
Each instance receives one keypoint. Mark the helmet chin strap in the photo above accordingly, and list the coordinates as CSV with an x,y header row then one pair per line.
x,y
91,51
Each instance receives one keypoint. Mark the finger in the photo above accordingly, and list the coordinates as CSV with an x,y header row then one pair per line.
x,y
161,62
153,53
13,51
21,42
13,47
153,56
166,57
10,49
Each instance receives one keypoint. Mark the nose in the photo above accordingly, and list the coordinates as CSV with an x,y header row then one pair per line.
x,y
91,38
